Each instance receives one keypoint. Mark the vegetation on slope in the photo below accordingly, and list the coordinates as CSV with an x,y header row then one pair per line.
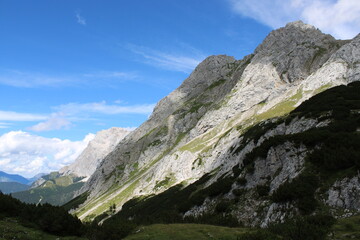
x,y
11,187
29,221
54,194
186,231
340,105
11,228
54,220
56,190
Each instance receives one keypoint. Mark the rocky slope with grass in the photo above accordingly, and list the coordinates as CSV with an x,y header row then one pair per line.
x,y
201,131
103,143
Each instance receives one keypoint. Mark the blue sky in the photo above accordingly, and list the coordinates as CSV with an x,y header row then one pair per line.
x,y
73,67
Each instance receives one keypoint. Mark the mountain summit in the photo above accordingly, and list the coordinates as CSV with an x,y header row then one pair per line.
x,y
206,128
103,143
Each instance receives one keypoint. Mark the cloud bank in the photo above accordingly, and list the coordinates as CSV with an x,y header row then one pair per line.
x,y
340,18
27,154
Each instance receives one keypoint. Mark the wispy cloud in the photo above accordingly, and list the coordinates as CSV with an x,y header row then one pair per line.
x,y
65,115
111,74
340,18
56,121
80,19
28,154
20,117
104,108
175,62
4,125
25,79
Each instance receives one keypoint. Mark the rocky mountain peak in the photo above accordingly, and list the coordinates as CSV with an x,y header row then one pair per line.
x,y
296,50
300,25
103,143
203,75
209,71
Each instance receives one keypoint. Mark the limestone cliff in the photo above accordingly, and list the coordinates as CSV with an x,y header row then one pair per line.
x,y
103,143
192,131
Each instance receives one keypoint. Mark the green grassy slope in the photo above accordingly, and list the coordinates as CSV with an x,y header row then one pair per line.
x,y
11,229
347,228
56,190
11,187
186,231
55,195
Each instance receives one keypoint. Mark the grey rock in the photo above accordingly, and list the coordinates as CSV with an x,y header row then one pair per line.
x,y
195,129
103,143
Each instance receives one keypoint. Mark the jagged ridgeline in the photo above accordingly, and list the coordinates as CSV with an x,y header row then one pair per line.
x,y
228,124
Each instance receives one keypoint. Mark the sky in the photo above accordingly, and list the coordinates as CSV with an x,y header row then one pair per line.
x,y
70,68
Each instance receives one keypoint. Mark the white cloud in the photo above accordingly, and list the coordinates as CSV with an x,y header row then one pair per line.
x,y
57,121
80,19
27,154
104,108
5,125
175,62
65,114
15,116
24,79
111,74
341,18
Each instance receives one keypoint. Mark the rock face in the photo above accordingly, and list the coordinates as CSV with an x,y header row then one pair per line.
x,y
194,129
104,142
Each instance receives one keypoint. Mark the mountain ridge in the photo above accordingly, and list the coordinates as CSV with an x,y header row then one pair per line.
x,y
190,131
6,177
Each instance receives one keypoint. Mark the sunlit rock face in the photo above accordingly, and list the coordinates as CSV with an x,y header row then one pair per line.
x,y
103,143
192,130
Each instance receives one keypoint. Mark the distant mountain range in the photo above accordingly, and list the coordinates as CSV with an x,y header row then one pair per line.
x,y
12,187
5,177
11,183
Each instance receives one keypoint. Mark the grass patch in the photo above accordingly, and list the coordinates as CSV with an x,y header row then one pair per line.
x,y
74,203
281,108
10,229
199,143
186,232
55,195
216,84
347,228
164,183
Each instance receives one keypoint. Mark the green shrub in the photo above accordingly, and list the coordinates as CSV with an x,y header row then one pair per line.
x,y
223,206
263,190
242,181
258,235
238,192
301,190
304,227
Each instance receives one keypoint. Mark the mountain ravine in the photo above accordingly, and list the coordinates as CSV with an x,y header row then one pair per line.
x,y
207,128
